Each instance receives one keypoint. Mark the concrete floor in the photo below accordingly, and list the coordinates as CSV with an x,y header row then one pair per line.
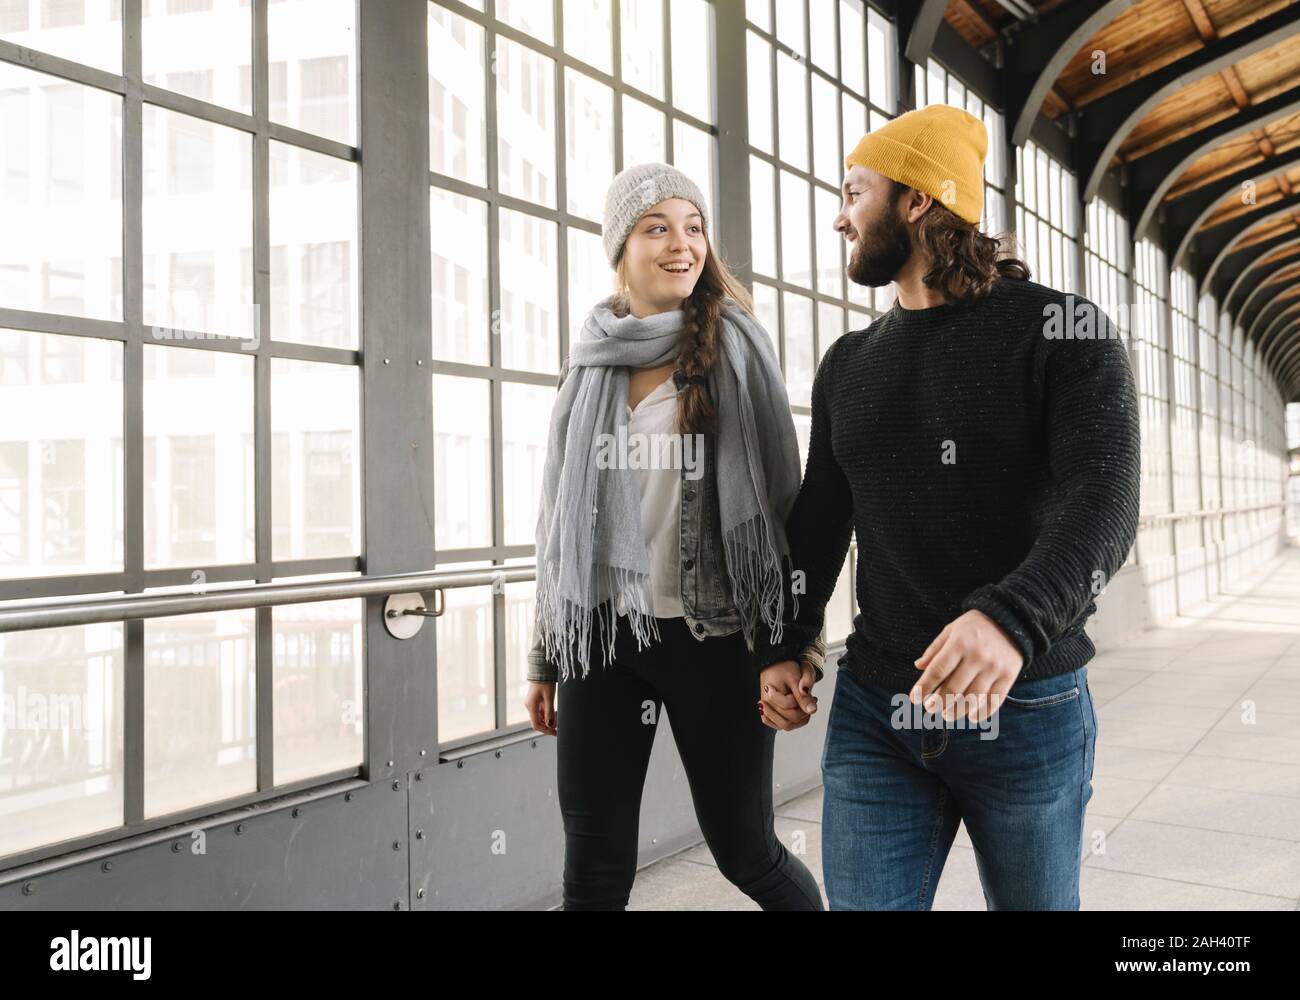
x,y
1194,807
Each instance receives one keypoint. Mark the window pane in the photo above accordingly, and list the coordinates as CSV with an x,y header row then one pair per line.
x,y
198,457
60,196
762,216
821,15
589,137
198,226
767,313
525,420
316,42
692,30
800,362
462,463
880,61
525,123
796,252
853,48
316,460
200,50
759,69
827,163
63,773
758,12
466,660
830,244
841,608
85,31
643,45
789,26
319,669
200,683
590,277
536,17
314,296
693,154
457,105
644,137
460,278
588,30
792,100
520,611
830,327
529,324
61,466
855,127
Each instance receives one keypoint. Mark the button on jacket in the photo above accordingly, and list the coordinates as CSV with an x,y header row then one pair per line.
x,y
705,584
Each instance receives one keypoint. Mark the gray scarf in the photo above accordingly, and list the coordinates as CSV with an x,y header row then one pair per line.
x,y
590,546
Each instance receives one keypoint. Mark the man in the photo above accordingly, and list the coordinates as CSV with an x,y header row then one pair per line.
x,y
981,439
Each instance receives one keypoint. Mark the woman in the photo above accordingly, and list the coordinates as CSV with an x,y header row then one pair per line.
x,y
685,557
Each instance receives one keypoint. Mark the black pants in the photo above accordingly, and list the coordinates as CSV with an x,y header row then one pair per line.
x,y
605,725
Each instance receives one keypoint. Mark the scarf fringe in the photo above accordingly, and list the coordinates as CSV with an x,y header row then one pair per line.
x,y
757,576
565,625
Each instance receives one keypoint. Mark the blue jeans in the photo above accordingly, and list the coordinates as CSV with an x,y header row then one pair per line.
x,y
898,781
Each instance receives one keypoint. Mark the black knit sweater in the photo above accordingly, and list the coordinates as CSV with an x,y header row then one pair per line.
x,y
986,458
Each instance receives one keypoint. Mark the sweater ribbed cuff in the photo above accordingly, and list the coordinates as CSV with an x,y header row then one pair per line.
x,y
989,601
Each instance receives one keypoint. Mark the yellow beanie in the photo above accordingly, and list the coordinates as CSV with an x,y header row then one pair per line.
x,y
937,149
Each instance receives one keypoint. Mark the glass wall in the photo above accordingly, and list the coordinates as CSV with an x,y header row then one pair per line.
x,y
574,91
181,348
179,327
819,75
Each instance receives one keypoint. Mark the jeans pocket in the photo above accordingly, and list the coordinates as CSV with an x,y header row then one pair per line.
x,y
1044,692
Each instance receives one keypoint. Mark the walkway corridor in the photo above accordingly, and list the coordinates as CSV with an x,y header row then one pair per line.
x,y
1196,790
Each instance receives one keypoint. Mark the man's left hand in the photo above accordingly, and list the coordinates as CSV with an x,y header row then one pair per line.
x,y
972,658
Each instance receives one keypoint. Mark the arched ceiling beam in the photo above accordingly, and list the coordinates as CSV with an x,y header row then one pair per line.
x,y
1037,55
1215,244
1235,263
1185,215
1104,124
1150,176
1241,276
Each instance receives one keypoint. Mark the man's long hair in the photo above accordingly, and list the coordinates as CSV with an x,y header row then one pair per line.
x,y
967,263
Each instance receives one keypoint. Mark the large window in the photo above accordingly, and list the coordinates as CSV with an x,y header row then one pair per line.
x,y
181,408
1047,220
935,85
820,75
573,91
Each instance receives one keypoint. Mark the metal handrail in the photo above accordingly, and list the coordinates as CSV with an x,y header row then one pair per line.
x,y
1188,515
25,617
136,606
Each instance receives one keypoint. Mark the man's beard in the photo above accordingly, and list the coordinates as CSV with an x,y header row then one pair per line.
x,y
881,252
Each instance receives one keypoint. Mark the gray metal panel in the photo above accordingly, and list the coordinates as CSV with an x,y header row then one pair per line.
x,y
492,837
486,830
336,854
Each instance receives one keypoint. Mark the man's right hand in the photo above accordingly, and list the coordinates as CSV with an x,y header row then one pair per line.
x,y
785,690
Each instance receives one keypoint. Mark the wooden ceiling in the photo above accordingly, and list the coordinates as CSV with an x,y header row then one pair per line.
x,y
1248,210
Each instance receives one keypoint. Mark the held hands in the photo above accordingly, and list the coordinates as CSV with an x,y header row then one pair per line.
x,y
968,669
540,702
786,698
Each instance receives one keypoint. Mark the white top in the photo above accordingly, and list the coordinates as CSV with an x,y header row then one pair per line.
x,y
655,417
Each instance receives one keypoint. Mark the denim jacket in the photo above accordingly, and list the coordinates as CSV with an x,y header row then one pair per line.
x,y
706,585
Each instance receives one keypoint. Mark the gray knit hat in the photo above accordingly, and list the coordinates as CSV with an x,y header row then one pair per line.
x,y
636,190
